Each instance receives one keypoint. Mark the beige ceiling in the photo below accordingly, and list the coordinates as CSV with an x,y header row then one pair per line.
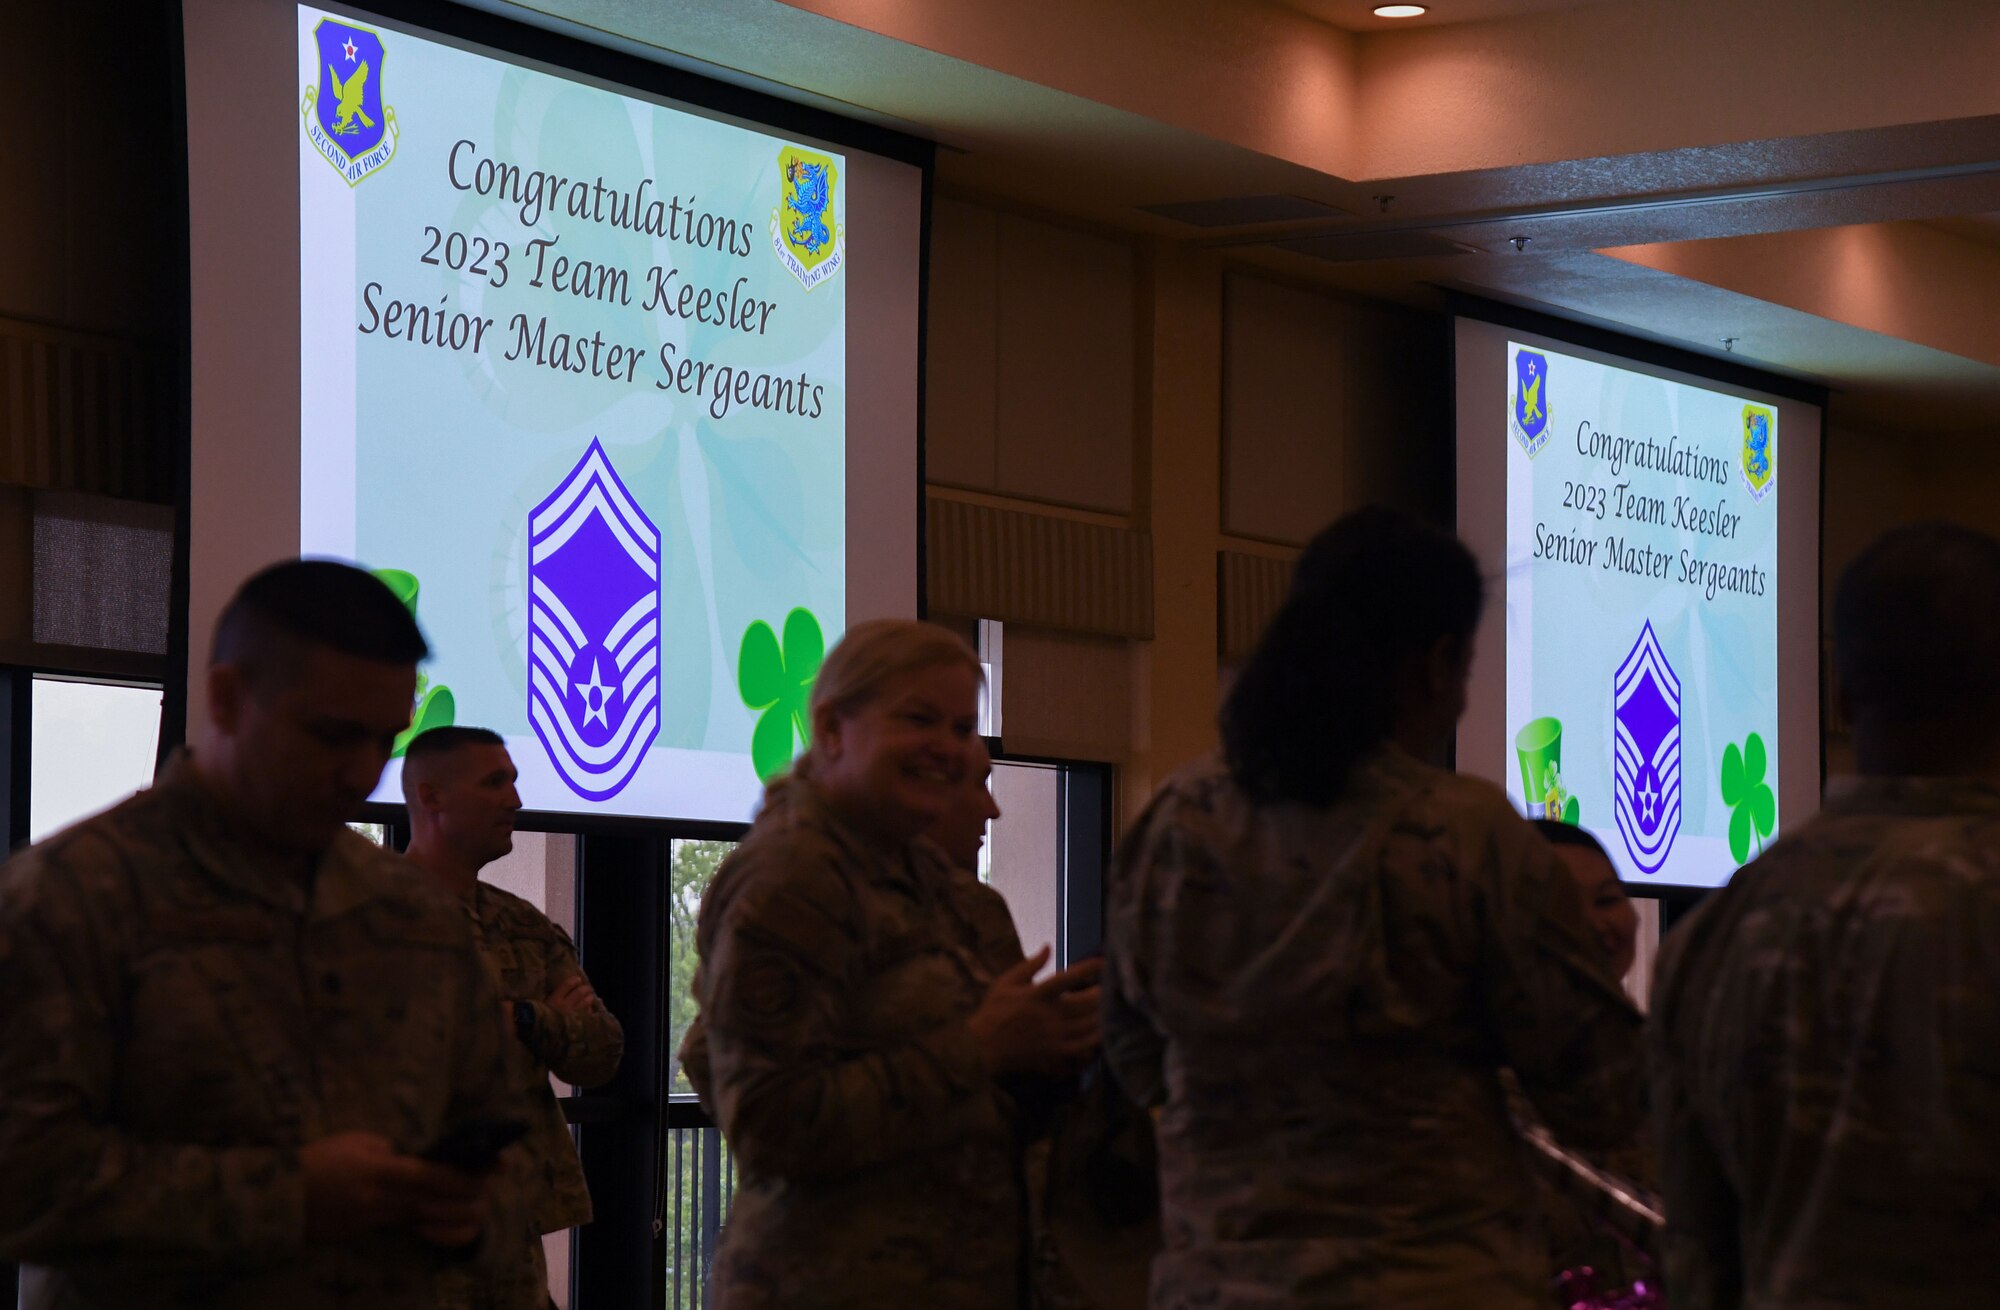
x,y
1660,186
1359,15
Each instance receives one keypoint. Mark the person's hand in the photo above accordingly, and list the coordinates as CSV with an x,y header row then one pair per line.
x,y
1051,1026
451,1206
573,995
358,1182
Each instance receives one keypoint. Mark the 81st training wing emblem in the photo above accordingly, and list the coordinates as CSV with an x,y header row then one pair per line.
x,y
805,229
593,628
345,118
1760,449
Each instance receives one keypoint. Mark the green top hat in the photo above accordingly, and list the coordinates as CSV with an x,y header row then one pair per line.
x,y
1539,747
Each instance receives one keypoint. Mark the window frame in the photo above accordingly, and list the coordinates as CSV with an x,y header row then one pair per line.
x,y
17,716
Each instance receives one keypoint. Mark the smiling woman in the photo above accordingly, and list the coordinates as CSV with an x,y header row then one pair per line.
x,y
854,1017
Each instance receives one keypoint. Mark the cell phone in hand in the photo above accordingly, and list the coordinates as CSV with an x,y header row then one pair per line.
x,y
475,1145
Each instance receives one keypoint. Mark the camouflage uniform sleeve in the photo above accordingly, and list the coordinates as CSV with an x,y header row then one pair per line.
x,y
76,1188
694,1063
586,1048
1568,1030
485,1086
795,1095
1700,1249
1133,1046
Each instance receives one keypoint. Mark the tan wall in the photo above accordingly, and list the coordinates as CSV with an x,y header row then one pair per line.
x,y
1093,377
1876,480
87,216
1148,387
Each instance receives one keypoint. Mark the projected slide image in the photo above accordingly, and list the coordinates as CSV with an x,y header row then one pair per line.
x,y
1642,613
574,382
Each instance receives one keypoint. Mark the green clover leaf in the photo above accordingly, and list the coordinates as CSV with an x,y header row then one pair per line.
x,y
1739,834
1763,805
1732,776
776,681
1753,808
432,707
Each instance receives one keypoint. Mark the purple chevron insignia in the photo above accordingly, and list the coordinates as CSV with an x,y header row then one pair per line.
x,y
1647,752
593,628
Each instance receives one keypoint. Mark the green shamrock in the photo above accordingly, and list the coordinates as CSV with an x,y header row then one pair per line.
x,y
1748,796
433,707
778,684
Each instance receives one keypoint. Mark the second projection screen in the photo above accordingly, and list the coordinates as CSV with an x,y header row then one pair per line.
x,y
1642,607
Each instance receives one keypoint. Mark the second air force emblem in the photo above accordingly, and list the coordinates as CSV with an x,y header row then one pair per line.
x,y
346,119
1528,417
1646,700
593,628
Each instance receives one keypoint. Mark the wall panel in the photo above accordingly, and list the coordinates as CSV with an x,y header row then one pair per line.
x,y
961,351
1065,369
1285,407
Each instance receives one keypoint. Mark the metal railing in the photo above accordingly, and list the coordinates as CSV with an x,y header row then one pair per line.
x,y
701,1179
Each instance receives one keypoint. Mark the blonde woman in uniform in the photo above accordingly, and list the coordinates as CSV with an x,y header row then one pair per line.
x,y
854,1018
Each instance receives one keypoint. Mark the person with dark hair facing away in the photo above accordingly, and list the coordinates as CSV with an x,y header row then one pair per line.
x,y
459,783
230,1028
1323,950
1826,1029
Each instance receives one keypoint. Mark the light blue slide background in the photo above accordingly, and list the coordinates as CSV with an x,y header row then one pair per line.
x,y
1569,628
449,450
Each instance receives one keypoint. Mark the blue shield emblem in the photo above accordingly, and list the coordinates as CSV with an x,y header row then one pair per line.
x,y
593,628
1529,417
808,240
1760,449
347,120
1647,753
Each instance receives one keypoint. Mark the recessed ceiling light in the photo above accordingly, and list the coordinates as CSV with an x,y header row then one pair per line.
x,y
1401,11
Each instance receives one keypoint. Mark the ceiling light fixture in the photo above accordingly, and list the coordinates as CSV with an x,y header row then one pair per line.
x,y
1401,11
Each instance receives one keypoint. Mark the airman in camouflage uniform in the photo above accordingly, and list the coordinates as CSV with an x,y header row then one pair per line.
x,y
229,1025
530,958
1321,999
459,782
1827,1035
875,1151
180,1015
1826,1029
859,1005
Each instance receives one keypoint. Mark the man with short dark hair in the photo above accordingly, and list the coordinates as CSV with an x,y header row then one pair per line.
x,y
1826,1030
229,1026
459,782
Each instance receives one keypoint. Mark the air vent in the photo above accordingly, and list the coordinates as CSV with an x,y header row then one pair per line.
x,y
1356,247
1243,211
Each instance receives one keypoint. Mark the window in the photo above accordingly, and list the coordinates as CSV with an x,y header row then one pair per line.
x,y
1021,856
692,864
91,745
701,1178
1047,852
